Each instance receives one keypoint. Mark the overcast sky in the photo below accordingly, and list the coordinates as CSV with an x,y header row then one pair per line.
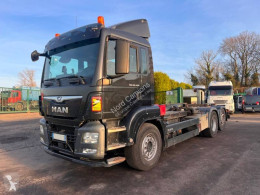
x,y
180,30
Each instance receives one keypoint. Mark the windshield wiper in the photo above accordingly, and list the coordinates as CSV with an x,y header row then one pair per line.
x,y
81,78
48,82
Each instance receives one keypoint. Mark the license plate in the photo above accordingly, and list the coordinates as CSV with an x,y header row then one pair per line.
x,y
59,137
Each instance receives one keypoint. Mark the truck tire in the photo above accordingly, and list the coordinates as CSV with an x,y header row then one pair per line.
x,y
19,107
213,129
146,152
222,121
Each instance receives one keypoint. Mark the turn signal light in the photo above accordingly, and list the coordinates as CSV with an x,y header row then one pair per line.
x,y
101,20
96,104
57,35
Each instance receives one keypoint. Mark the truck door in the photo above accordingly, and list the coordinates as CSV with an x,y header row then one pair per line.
x,y
121,95
146,69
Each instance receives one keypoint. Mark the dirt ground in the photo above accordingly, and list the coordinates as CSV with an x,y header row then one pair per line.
x,y
19,116
226,164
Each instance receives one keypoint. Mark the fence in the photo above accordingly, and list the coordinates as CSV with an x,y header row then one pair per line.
x,y
25,99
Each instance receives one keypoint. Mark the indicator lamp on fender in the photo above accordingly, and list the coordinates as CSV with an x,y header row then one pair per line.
x,y
96,104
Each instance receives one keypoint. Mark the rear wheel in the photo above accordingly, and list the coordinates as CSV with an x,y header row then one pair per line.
x,y
146,152
222,121
213,129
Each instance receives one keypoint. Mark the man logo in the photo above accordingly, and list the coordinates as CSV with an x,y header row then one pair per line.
x,y
59,99
60,109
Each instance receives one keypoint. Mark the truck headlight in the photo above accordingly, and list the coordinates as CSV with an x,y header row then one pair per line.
x,y
41,130
90,138
89,151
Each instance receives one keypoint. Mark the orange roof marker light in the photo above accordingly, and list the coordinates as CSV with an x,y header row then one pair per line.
x,y
57,35
101,20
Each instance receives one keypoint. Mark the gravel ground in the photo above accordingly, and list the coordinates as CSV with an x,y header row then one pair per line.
x,y
226,164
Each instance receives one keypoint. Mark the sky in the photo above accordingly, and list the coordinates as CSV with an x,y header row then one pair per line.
x,y
180,29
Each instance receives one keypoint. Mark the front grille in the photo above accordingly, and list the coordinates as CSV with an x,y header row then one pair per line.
x,y
65,146
220,102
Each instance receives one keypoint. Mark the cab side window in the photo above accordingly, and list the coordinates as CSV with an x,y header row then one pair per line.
x,y
143,60
111,57
133,59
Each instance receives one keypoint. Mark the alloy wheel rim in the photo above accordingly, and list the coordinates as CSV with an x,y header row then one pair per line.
x,y
149,147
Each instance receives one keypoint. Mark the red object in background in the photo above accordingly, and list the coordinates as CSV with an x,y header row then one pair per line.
x,y
162,109
15,96
257,103
243,101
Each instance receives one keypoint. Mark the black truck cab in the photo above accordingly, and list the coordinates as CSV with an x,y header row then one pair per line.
x,y
92,78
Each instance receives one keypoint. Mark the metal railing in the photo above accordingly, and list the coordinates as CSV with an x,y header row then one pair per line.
x,y
24,99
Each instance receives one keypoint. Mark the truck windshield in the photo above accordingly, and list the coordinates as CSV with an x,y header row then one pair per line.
x,y
220,90
75,60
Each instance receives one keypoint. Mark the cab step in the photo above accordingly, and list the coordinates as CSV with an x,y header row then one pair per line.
x,y
115,160
116,129
114,146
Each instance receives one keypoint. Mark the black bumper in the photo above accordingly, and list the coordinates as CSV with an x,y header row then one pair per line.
x,y
74,143
79,161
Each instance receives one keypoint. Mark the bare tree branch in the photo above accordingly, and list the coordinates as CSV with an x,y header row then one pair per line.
x,y
26,78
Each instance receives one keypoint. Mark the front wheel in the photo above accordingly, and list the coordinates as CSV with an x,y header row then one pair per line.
x,y
146,152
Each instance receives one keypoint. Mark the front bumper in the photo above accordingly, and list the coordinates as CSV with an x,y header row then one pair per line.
x,y
78,160
74,147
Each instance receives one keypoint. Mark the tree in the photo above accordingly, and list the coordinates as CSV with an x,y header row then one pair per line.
x,y
174,84
228,48
228,77
162,83
255,79
26,78
205,68
185,86
194,79
243,53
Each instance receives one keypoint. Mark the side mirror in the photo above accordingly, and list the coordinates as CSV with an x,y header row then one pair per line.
x,y
35,56
122,57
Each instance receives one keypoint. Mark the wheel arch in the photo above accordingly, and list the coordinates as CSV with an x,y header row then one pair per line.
x,y
141,115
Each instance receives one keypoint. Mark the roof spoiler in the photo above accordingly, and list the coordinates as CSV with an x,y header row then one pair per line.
x,y
138,27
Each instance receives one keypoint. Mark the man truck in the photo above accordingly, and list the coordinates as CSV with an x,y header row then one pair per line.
x,y
97,99
221,93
